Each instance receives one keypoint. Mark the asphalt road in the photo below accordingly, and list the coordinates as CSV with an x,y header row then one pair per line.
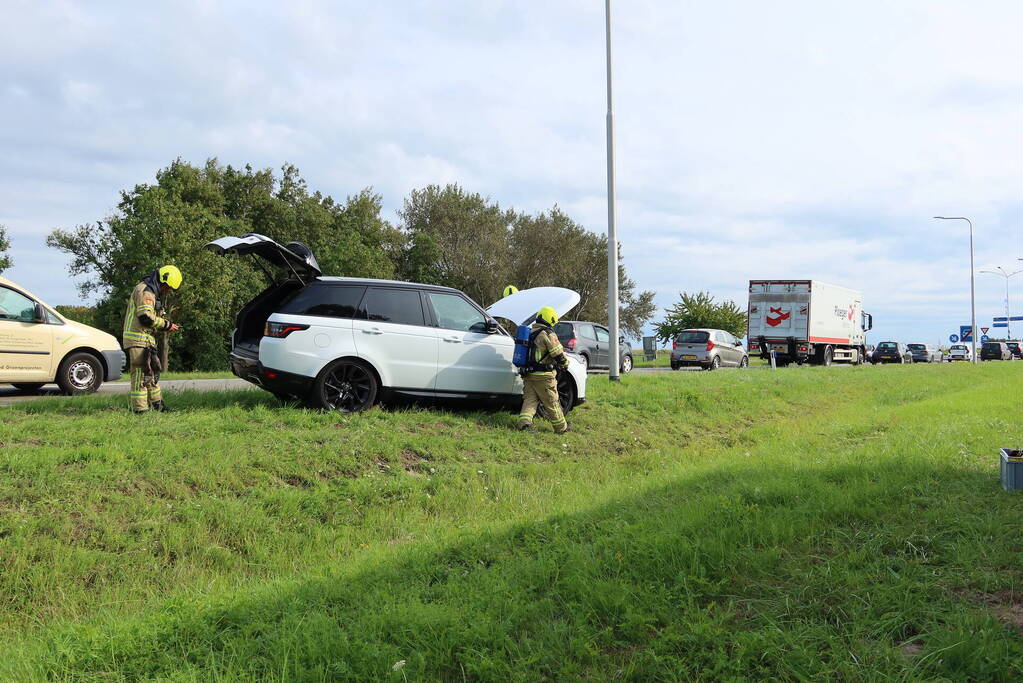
x,y
9,394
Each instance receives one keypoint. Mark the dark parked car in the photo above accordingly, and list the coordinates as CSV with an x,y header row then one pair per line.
x,y
1014,347
592,342
995,351
891,352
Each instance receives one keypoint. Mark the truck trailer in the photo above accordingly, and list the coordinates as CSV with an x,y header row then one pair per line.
x,y
806,321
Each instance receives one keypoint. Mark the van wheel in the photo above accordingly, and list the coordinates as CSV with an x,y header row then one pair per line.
x,y
79,373
28,386
346,386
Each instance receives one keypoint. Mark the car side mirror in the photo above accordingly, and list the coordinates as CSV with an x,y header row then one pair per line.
x,y
492,326
40,313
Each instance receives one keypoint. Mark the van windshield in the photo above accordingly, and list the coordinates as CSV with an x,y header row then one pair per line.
x,y
693,337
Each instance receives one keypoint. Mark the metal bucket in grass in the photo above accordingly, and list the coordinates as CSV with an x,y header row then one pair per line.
x,y
1012,469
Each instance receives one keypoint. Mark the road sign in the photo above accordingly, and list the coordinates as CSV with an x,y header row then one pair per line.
x,y
999,324
1016,317
985,338
984,330
1002,319
966,333
953,338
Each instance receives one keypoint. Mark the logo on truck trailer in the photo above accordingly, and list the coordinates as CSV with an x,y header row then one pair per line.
x,y
774,322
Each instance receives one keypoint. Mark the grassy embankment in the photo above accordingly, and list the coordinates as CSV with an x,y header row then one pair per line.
x,y
812,522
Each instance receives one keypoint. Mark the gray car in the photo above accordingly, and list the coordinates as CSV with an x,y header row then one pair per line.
x,y
592,342
707,348
924,353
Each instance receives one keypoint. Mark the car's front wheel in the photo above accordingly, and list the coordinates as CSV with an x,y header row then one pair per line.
x,y
626,363
347,386
744,362
80,373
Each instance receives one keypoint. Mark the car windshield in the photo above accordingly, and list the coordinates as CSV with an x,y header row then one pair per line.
x,y
1012,345
888,345
991,346
693,337
917,347
564,331
958,347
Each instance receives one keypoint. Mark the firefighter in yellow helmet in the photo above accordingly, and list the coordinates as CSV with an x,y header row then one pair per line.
x,y
509,290
539,377
141,322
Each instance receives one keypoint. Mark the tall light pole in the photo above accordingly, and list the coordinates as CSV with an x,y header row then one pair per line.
x,y
1001,271
612,212
973,293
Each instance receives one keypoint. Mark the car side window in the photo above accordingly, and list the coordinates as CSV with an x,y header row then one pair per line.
x,y
16,306
586,332
455,313
602,334
328,301
399,306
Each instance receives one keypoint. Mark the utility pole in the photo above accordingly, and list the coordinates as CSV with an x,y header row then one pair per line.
x,y
612,214
973,292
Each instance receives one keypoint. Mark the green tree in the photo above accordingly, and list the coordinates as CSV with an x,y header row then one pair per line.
x,y
700,310
171,220
465,235
5,245
80,314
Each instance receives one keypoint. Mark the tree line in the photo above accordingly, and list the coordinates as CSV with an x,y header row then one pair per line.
x,y
445,235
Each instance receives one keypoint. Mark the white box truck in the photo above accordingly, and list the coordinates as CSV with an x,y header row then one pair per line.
x,y
806,321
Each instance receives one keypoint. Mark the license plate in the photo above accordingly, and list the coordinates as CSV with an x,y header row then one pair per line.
x,y
688,357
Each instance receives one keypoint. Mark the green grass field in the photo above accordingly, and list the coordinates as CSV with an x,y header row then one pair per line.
x,y
828,523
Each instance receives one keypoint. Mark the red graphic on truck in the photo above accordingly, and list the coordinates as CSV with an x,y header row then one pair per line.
x,y
775,321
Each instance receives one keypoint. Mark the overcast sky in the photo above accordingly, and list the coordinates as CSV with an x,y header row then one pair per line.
x,y
755,140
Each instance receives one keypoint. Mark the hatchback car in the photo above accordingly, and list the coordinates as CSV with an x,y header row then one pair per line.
x,y
995,351
1015,349
891,352
959,352
707,348
924,353
346,343
39,346
592,342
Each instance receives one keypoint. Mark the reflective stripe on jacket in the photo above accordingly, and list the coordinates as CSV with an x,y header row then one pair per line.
x,y
547,349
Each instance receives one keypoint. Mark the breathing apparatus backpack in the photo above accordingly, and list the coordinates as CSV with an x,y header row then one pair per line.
x,y
520,358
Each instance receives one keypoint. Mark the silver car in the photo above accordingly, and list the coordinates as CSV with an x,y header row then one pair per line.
x,y
924,353
708,349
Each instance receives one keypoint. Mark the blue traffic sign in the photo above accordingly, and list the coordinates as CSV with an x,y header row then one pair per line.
x,y
985,338
1001,319
999,324
1016,317
953,338
965,333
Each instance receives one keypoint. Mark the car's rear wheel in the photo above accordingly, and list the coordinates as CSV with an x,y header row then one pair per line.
x,y
80,373
347,386
626,364
715,363
28,386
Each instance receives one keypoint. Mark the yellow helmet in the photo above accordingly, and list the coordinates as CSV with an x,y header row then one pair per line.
x,y
548,315
170,276
509,290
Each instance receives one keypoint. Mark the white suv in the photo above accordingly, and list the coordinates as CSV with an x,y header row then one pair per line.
x,y
345,343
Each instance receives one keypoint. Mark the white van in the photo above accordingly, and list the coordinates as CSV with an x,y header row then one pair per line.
x,y
39,346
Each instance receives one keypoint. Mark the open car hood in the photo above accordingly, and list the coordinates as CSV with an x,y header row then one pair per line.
x,y
295,258
522,307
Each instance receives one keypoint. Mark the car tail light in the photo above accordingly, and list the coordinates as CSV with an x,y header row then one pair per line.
x,y
710,346
674,344
281,330
802,348
570,344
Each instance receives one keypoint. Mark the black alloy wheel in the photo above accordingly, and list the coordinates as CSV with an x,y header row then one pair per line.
x,y
346,386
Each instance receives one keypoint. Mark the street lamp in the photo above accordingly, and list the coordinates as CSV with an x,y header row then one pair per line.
x,y
612,235
1001,271
973,293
